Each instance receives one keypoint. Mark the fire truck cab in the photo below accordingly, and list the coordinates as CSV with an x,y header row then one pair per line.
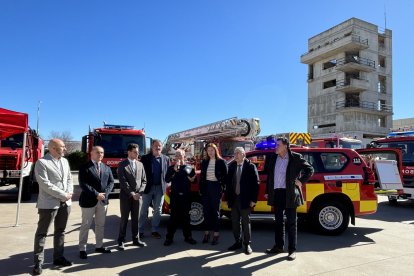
x,y
402,139
11,152
114,139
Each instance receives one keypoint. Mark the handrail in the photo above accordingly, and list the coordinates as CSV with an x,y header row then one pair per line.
x,y
354,38
355,59
364,105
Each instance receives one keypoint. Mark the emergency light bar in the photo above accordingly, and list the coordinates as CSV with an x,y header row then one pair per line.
x,y
107,126
269,143
400,134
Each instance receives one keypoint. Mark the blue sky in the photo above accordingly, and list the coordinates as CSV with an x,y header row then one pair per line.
x,y
173,65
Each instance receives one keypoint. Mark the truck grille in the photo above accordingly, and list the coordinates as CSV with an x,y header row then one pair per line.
x,y
8,162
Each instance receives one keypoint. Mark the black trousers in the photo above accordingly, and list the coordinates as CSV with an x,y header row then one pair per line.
x,y
291,221
129,206
46,216
240,219
180,216
211,206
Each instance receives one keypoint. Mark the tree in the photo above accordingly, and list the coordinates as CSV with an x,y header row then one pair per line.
x,y
67,138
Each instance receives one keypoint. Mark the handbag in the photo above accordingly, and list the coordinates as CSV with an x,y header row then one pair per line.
x,y
299,201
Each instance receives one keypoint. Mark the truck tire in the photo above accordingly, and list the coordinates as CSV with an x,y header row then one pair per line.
x,y
330,218
27,188
196,213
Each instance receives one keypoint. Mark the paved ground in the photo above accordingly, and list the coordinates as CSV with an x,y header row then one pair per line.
x,y
379,244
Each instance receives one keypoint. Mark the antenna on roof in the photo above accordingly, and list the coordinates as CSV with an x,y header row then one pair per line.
x,y
385,18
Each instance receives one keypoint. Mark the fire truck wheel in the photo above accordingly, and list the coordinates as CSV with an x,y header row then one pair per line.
x,y
330,218
27,189
196,213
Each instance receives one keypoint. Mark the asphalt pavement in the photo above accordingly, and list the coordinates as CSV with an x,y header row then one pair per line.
x,y
379,244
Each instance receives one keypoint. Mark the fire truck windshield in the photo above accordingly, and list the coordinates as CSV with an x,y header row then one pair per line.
x,y
115,145
407,148
227,147
14,141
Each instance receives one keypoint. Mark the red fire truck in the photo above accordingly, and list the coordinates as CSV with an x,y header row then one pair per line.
x,y
402,139
336,142
226,134
12,132
114,139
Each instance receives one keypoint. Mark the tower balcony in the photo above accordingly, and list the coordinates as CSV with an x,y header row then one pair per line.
x,y
352,85
371,107
336,46
355,63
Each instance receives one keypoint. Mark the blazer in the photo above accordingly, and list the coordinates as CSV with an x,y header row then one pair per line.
x,y
128,182
249,184
147,162
220,170
297,168
91,184
53,185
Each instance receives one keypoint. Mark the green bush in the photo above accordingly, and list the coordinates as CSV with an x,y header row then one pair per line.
x,y
76,159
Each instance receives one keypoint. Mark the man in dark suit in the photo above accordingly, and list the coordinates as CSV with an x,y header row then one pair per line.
x,y
286,173
96,181
132,182
242,188
155,165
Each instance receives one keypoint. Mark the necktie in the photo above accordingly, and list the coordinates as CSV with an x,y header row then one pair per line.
x,y
98,167
238,176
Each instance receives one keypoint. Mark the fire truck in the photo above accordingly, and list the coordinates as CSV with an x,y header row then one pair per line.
x,y
12,133
226,134
114,139
336,142
402,139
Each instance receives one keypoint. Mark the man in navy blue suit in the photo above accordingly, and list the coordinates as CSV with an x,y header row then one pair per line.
x,y
96,181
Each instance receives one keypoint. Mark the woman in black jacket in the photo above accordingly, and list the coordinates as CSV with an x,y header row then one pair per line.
x,y
213,174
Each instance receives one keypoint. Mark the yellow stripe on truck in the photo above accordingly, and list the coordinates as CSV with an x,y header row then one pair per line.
x,y
261,206
351,190
313,190
368,206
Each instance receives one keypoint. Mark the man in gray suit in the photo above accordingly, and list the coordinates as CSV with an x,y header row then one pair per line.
x,y
132,182
54,203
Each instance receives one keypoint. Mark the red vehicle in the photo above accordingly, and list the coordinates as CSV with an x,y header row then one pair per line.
x,y
12,132
404,141
336,142
114,139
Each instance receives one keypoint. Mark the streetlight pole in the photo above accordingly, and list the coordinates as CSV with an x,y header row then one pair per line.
x,y
38,112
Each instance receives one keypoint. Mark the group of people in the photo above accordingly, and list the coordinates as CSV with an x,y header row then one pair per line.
x,y
144,182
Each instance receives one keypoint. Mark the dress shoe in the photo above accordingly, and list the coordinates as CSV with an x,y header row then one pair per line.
x,y
156,235
62,262
190,240
215,240
37,269
235,246
206,238
168,242
291,256
102,250
274,250
139,243
248,249
83,255
121,246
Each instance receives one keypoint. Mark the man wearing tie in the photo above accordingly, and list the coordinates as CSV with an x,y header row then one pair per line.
x,y
54,203
132,181
242,188
96,181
